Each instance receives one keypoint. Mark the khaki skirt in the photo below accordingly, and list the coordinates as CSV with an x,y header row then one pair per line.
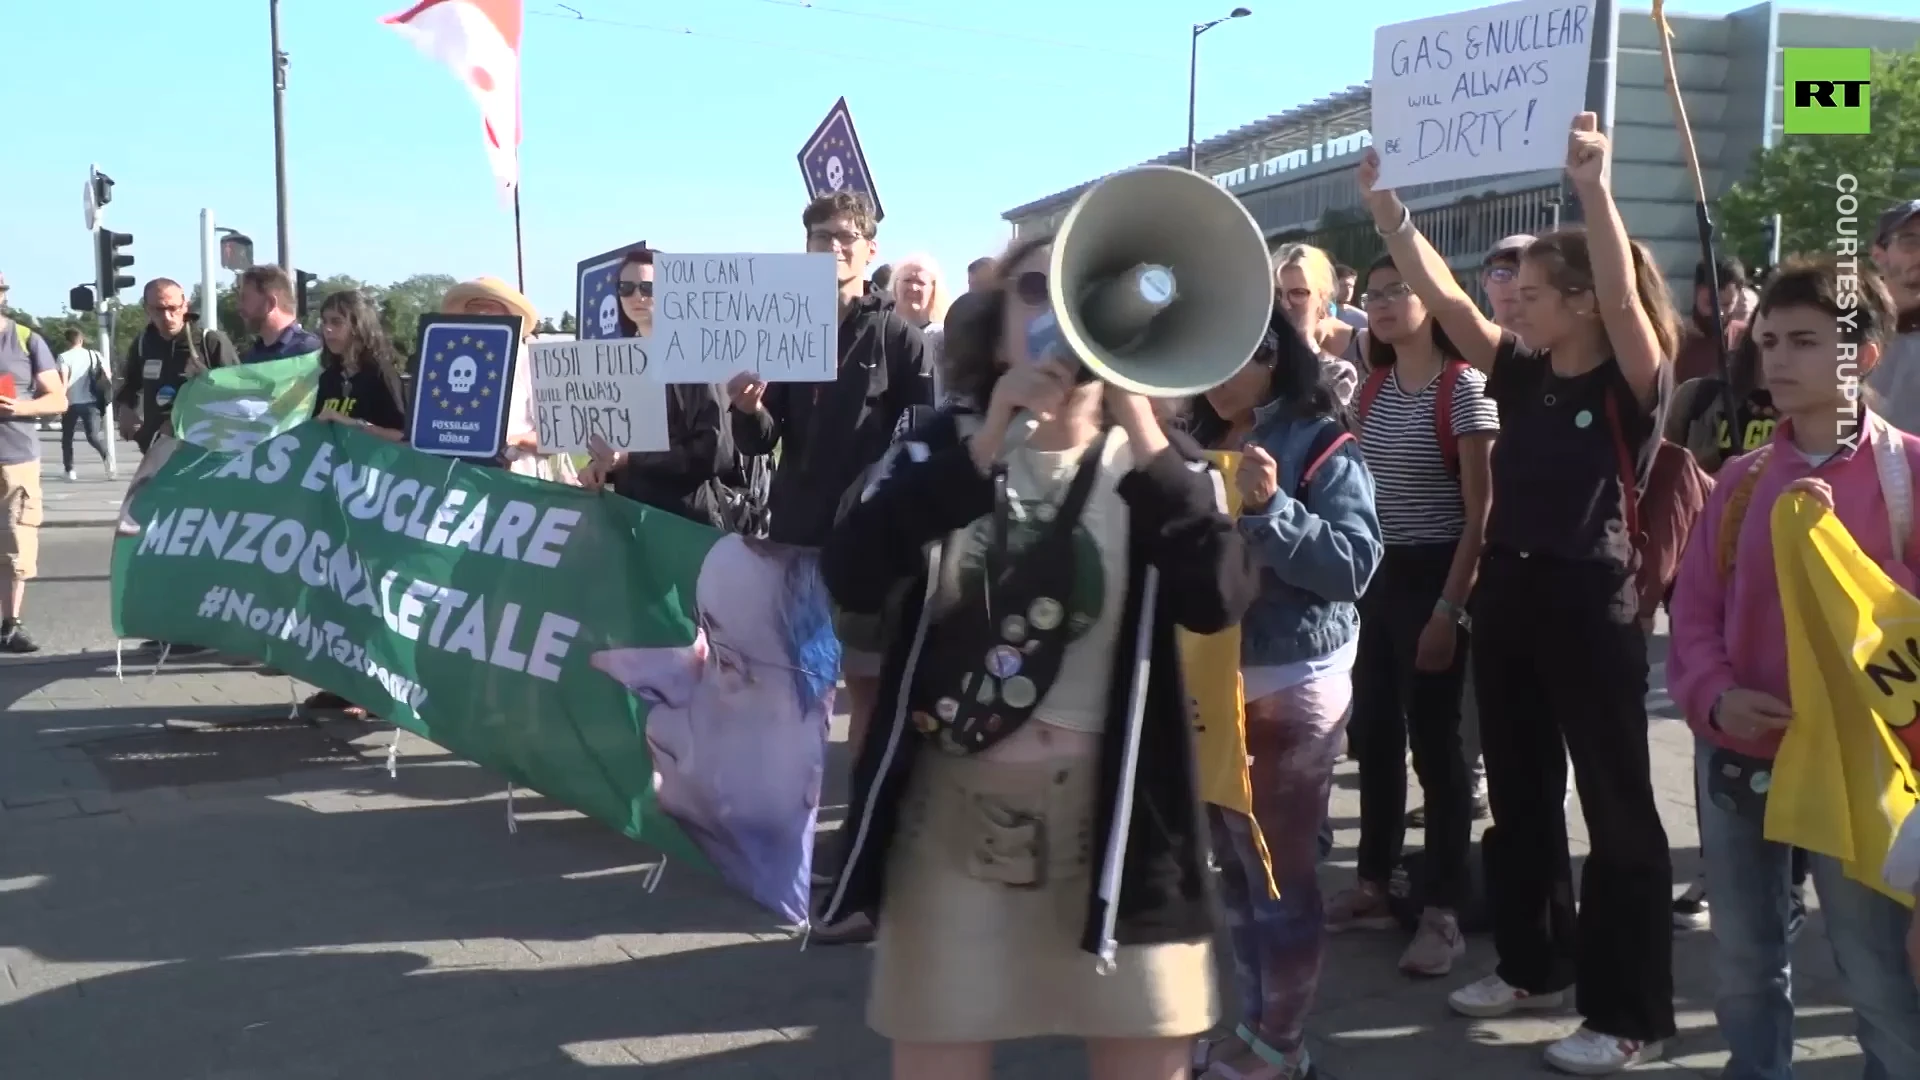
x,y
986,903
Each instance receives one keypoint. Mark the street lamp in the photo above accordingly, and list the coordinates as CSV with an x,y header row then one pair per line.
x,y
1193,78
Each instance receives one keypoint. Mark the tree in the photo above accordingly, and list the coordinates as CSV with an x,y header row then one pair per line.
x,y
402,304
1797,178
569,324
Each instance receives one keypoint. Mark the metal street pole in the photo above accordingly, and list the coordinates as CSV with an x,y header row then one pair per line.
x,y
1193,97
209,257
1193,81
280,138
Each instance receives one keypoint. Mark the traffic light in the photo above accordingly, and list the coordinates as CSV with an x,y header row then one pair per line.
x,y
111,260
302,279
236,250
102,188
1770,232
80,298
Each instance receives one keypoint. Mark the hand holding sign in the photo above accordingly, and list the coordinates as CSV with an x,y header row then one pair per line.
x,y
1382,202
1587,153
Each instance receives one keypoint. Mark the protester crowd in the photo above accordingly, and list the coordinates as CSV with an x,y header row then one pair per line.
x,y
1454,528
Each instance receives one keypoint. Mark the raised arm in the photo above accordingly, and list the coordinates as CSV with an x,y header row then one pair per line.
x,y
1629,327
1426,271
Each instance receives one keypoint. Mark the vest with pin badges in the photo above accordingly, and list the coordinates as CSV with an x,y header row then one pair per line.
x,y
991,659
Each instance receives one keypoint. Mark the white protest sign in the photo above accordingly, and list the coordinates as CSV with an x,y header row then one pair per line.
x,y
715,316
587,388
1479,93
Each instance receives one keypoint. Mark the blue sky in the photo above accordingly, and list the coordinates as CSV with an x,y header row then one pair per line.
x,y
684,139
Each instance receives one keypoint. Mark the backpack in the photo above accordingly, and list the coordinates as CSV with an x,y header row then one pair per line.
x,y
1661,509
1326,443
1442,408
1896,484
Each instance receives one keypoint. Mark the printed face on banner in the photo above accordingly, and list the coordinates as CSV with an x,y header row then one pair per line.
x,y
1479,93
664,678
598,290
731,713
833,161
464,384
716,316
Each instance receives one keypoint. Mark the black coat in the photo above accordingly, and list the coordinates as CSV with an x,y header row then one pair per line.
x,y
830,433
1207,580
680,478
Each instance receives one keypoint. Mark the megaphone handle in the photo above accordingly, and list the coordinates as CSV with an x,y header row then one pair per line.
x,y
1018,432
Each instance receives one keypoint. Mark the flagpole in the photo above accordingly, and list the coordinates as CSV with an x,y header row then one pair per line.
x,y
519,246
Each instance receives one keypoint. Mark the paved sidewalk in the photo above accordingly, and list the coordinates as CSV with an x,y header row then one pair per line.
x,y
265,902
92,500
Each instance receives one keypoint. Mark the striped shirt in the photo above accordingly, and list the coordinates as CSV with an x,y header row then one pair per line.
x,y
1418,500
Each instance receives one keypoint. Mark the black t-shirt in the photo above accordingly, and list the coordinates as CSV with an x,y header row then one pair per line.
x,y
1557,485
364,396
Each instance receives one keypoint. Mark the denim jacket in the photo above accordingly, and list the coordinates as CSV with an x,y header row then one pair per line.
x,y
1315,557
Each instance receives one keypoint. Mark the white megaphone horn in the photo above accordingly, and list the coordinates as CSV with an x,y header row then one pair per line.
x,y
1159,284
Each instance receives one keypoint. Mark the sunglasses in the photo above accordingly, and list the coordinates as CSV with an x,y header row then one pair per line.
x,y
1501,274
644,288
1031,288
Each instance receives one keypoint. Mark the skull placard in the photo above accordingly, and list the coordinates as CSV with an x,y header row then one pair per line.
x,y
462,373
836,173
609,317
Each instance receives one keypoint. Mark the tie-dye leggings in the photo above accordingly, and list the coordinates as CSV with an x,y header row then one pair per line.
x,y
1293,740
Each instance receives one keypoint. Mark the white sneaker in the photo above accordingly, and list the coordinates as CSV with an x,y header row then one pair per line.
x,y
1588,1053
1493,997
73,474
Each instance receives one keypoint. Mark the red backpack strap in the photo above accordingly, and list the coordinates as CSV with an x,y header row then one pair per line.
x,y
1629,476
1369,390
1443,415
1334,442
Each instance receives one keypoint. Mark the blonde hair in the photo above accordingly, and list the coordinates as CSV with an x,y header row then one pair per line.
x,y
942,299
1314,264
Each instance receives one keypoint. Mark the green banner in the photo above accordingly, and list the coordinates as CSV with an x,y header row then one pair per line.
x,y
667,679
236,408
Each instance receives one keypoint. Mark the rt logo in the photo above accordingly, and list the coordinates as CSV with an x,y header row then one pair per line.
x,y
1829,92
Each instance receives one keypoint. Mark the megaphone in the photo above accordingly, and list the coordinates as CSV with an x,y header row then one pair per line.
x,y
1159,283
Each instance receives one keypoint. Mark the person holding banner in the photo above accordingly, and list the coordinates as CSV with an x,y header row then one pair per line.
x,y
985,816
683,479
1307,514
1560,660
830,435
1730,660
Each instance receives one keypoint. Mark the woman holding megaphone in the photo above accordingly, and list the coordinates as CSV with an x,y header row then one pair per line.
x,y
1040,857
1559,657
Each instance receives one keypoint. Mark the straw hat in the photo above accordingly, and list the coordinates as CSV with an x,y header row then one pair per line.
x,y
490,288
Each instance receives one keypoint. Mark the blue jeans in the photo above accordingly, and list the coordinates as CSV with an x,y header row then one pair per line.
x,y
1749,879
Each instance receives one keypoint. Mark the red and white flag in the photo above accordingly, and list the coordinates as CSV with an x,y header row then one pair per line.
x,y
480,41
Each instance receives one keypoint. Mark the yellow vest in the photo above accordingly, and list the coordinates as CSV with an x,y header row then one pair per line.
x,y
1216,696
1843,781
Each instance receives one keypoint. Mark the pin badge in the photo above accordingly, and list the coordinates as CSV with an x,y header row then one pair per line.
x,y
1582,419
1014,629
1760,782
924,722
1045,613
1043,513
947,709
1003,661
993,722
1019,692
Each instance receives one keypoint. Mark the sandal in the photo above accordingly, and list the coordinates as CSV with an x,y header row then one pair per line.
x,y
1262,1062
1212,1048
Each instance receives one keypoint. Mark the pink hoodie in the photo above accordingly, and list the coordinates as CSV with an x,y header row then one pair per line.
x,y
1728,634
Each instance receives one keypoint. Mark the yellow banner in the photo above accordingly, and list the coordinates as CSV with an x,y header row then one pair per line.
x,y
1844,779
1217,698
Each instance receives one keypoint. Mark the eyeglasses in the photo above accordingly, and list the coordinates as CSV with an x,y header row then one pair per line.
x,y
1386,294
1500,275
1031,288
643,288
824,240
